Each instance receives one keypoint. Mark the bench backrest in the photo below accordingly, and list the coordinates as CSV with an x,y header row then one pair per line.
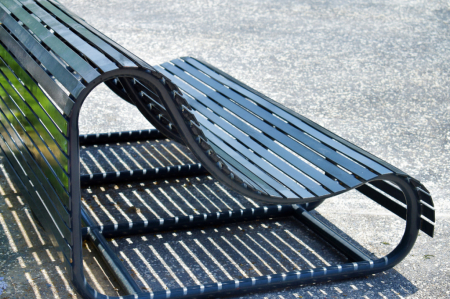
x,y
48,58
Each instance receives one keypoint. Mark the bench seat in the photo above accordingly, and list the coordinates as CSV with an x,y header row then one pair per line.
x,y
265,150
280,153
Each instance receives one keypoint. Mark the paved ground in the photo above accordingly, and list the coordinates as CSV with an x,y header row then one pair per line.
x,y
375,73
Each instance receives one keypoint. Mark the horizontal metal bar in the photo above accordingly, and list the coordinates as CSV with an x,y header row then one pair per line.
x,y
383,200
114,137
143,174
350,251
389,189
190,221
427,227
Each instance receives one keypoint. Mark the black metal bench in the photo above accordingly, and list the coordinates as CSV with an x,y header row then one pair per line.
x,y
50,60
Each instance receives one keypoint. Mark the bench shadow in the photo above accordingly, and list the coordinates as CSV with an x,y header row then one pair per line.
x,y
231,251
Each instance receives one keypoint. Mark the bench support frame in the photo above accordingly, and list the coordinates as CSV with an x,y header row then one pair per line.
x,y
360,265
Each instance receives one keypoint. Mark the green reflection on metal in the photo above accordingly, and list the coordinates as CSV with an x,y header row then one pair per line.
x,y
56,141
20,158
62,193
82,67
34,88
26,125
55,137
15,92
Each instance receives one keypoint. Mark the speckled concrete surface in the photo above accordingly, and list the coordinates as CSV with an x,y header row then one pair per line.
x,y
375,73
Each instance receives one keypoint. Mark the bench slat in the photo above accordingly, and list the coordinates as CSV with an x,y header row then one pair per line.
x,y
96,41
59,71
291,172
42,162
428,213
267,170
296,147
33,87
276,148
396,193
28,126
246,166
55,44
55,138
100,35
247,175
288,169
286,128
389,189
427,227
79,44
296,120
36,176
396,208
425,195
47,173
10,164
383,200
